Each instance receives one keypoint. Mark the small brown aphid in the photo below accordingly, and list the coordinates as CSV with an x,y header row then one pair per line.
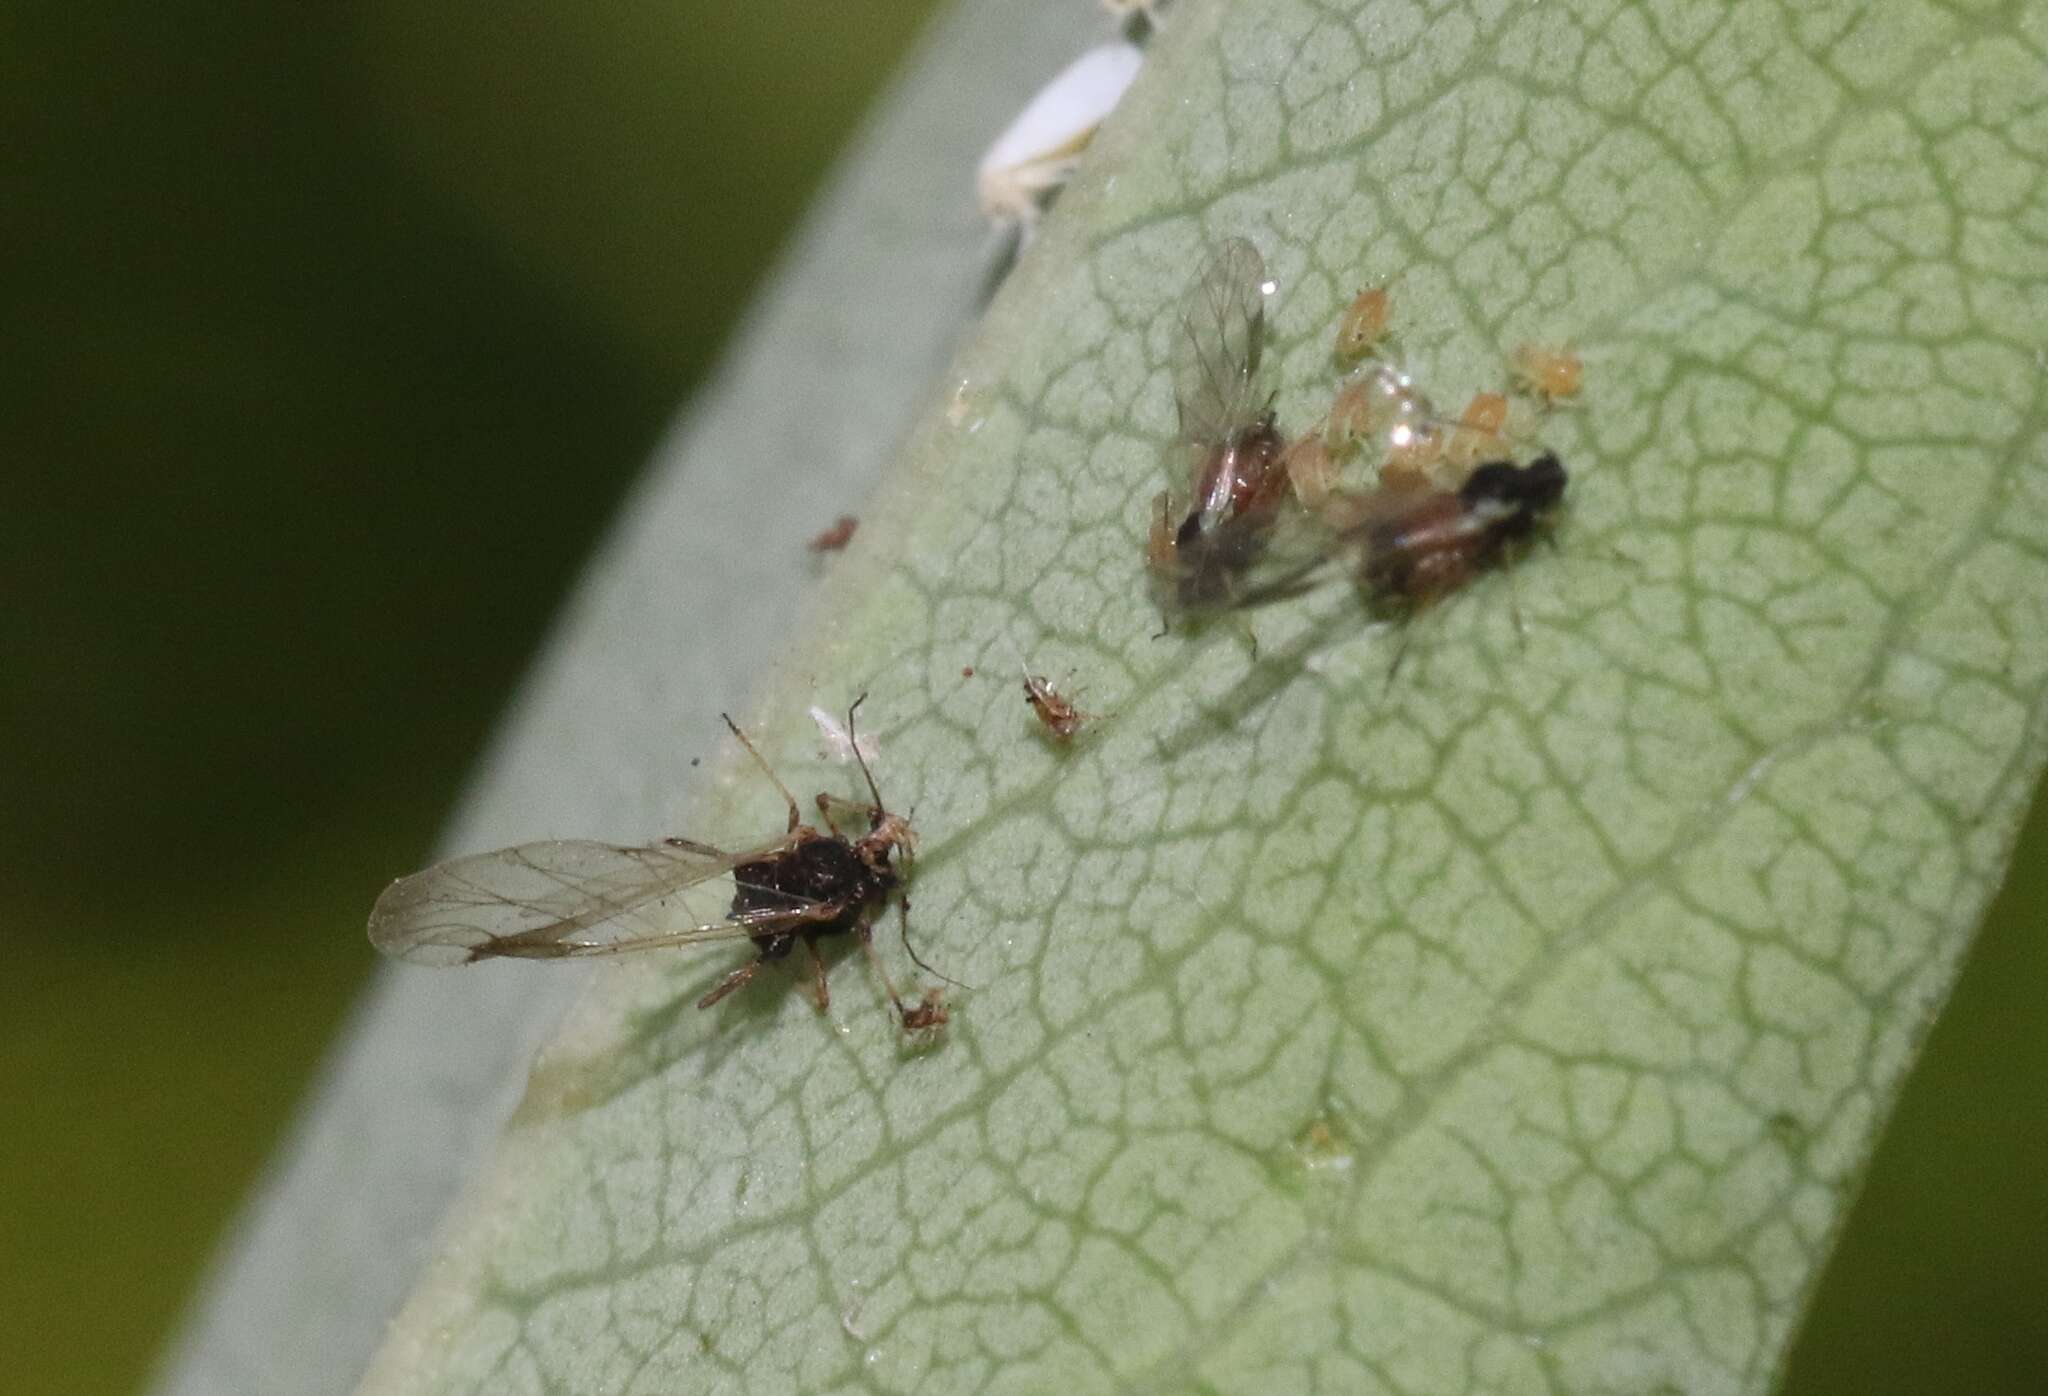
x,y
1055,713
929,1013
1363,325
577,898
1548,372
967,671
836,537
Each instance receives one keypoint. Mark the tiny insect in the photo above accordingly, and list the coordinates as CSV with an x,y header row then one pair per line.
x,y
929,1013
1203,551
1547,372
1040,149
1056,713
1364,324
832,539
576,898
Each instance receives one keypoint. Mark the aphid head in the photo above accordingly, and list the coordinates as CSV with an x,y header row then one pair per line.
x,y
1543,482
891,832
1502,486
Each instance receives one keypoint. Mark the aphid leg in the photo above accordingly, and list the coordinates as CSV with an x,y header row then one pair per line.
x,y
795,815
736,980
867,948
1515,610
903,923
821,988
834,808
1400,653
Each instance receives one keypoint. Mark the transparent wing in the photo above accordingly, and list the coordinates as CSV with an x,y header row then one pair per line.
x,y
1221,335
572,897
1252,560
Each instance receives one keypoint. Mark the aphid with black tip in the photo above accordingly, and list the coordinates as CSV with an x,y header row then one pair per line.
x,y
1418,545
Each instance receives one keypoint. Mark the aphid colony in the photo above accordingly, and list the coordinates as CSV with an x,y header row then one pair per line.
x,y
1414,505
1410,505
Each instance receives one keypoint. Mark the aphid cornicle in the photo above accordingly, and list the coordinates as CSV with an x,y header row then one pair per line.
x,y
578,898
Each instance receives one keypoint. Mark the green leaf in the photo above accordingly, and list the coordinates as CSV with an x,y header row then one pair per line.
x,y
1521,1025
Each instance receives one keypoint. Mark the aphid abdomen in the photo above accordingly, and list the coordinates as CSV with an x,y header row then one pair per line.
x,y
1258,481
820,872
1420,554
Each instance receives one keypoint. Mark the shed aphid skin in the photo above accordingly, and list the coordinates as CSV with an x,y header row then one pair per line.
x,y
1039,150
576,898
1549,372
1218,547
1382,415
840,744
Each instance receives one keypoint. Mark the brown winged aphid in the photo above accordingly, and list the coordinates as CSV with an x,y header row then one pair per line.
x,y
574,898
1417,542
1203,549
1422,544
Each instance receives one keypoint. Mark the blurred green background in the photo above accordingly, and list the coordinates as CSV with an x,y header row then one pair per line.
x,y
334,334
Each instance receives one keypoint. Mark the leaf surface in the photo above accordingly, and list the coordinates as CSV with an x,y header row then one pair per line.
x,y
1520,1025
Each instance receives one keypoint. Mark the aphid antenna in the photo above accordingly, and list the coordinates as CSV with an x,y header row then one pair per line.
x,y
853,740
909,858
795,815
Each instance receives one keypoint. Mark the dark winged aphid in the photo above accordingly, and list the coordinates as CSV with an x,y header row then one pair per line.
x,y
577,898
1202,548
1420,544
